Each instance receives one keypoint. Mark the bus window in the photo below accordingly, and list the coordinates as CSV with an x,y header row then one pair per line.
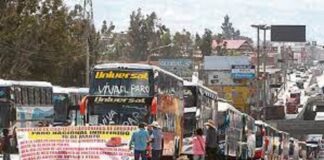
x,y
24,95
48,96
4,93
18,95
43,96
37,95
30,95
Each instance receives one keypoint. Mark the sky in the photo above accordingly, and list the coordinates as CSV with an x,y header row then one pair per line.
x,y
196,15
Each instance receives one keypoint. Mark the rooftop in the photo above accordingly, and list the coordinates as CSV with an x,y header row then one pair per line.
x,y
230,44
224,62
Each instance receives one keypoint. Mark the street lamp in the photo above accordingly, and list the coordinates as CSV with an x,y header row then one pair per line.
x,y
157,48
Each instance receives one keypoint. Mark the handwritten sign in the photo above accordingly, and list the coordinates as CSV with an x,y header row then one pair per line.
x,y
75,143
121,75
134,89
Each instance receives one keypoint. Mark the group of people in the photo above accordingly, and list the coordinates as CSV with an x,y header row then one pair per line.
x,y
147,144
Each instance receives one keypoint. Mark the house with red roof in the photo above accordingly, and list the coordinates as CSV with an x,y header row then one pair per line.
x,y
233,46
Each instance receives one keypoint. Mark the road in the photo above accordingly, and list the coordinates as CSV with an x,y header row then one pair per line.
x,y
291,84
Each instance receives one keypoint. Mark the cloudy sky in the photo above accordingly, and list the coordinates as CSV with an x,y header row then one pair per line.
x,y
195,15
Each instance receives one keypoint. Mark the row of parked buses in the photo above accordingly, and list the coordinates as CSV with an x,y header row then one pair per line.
x,y
129,94
33,103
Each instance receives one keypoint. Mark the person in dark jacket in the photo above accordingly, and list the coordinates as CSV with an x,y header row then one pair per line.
x,y
5,144
157,141
212,148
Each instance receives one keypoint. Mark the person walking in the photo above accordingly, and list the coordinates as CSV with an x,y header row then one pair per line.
x,y
198,145
157,141
5,144
139,139
212,148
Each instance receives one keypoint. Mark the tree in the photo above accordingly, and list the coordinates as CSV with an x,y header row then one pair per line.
x,y
206,42
228,30
166,39
43,40
183,44
197,41
142,34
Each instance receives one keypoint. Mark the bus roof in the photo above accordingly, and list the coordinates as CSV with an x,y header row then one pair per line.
x,y
25,83
188,83
59,89
258,122
134,66
123,65
223,106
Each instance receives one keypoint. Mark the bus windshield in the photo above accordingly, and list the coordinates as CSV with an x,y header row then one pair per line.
x,y
4,115
126,83
119,114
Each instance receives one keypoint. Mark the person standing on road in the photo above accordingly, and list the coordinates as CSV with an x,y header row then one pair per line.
x,y
140,139
5,144
212,148
198,145
157,141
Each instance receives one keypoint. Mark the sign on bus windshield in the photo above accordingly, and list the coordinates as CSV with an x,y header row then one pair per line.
x,y
126,83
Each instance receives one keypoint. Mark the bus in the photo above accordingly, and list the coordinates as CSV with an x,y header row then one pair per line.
x,y
25,103
126,94
230,127
66,104
200,105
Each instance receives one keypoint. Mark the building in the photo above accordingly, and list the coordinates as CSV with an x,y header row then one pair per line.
x,y
233,46
232,77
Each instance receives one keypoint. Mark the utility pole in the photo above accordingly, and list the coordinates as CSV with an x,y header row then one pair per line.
x,y
88,17
258,27
265,28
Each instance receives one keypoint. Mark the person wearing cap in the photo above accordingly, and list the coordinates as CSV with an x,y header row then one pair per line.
x,y
157,141
212,148
140,139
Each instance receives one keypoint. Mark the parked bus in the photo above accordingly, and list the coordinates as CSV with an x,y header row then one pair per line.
x,y
25,103
230,127
66,104
200,105
127,94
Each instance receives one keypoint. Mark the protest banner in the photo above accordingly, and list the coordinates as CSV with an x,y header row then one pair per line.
x,y
75,143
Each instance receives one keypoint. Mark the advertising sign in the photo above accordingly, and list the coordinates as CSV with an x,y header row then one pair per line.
x,y
288,33
243,71
76,143
181,66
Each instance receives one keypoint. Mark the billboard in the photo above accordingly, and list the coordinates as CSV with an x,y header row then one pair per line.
x,y
243,71
288,33
182,67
